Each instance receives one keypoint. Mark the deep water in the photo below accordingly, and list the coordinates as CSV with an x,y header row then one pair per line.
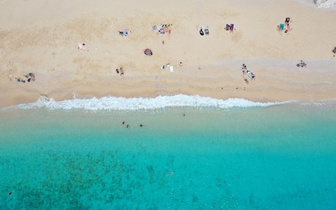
x,y
278,157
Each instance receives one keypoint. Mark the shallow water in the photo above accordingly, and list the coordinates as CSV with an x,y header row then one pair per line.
x,y
274,157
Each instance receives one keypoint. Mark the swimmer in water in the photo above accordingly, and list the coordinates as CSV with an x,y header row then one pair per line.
x,y
123,123
11,193
171,174
141,125
127,126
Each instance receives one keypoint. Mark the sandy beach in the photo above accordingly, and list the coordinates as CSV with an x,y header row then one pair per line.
x,y
42,37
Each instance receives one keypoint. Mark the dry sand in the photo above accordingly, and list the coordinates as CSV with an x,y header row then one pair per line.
x,y
41,36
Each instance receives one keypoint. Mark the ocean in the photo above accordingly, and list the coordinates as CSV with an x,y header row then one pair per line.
x,y
231,154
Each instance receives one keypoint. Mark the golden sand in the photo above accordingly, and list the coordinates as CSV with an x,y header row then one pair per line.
x,y
42,37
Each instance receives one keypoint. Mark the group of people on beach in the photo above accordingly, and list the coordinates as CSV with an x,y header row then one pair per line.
x,y
301,64
204,30
82,46
250,74
124,32
162,29
285,27
30,77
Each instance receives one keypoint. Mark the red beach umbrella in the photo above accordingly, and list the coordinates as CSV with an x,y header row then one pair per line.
x,y
148,52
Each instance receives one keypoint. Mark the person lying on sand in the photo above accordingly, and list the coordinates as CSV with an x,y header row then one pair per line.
x,y
121,71
201,32
287,20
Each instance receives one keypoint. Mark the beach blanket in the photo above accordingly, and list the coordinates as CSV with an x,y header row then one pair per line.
x,y
171,68
126,32
227,27
282,26
231,27
206,31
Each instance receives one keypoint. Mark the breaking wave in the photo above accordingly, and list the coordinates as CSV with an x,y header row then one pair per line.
x,y
325,3
128,104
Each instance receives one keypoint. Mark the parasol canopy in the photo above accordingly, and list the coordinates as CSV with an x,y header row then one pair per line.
x,y
148,52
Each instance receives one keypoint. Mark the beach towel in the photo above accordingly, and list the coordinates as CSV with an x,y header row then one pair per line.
x,y
231,27
126,32
171,68
206,31
282,26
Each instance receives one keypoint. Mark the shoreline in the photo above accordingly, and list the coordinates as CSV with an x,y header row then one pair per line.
x,y
276,81
112,103
158,104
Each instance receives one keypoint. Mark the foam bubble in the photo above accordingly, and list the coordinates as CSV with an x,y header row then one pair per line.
x,y
128,104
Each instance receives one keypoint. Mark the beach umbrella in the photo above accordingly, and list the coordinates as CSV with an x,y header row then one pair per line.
x,y
148,52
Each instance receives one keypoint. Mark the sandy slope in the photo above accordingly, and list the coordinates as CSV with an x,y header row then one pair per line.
x,y
41,36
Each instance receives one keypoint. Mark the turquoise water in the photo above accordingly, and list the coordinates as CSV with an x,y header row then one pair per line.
x,y
278,157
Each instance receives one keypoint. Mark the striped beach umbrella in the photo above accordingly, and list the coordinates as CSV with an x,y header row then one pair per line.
x,y
148,52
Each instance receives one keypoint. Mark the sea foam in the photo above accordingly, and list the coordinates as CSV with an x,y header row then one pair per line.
x,y
325,3
128,104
